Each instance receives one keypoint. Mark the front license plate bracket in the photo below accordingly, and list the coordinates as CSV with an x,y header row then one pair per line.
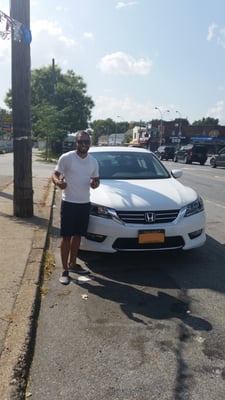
x,y
151,236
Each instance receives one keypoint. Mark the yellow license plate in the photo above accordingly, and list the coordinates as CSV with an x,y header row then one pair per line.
x,y
151,237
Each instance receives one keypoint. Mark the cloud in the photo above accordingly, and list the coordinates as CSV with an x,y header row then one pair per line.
x,y
218,111
217,33
120,63
5,51
123,4
51,29
221,38
127,108
211,31
49,42
88,35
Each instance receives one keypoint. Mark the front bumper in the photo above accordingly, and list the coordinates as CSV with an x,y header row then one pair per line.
x,y
108,236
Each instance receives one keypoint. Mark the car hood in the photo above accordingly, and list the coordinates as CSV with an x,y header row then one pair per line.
x,y
159,194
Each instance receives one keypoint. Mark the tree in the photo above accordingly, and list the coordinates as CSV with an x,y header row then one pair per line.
x,y
101,127
59,103
207,121
5,123
66,94
107,127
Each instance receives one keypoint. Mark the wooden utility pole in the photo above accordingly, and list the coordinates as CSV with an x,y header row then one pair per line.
x,y
23,192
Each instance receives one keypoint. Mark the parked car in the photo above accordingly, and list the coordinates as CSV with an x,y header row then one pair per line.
x,y
218,160
141,206
165,152
191,153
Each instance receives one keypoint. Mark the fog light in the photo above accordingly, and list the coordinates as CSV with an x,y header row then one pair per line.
x,y
195,234
95,237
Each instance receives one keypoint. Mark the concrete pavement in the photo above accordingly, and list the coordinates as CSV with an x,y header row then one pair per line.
x,y
22,245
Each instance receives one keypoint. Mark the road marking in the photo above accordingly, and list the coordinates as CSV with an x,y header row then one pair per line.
x,y
215,204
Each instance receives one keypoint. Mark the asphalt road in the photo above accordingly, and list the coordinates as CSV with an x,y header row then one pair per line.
x,y
145,326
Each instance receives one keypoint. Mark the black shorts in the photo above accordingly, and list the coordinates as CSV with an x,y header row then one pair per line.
x,y
74,218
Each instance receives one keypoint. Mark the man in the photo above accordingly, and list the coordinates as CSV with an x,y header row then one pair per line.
x,y
75,172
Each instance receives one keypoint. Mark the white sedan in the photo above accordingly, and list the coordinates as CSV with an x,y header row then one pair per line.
x,y
141,206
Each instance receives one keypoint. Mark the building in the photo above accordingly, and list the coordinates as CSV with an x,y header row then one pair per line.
x,y
115,139
179,132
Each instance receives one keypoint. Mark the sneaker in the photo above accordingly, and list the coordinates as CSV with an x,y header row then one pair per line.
x,y
64,278
78,269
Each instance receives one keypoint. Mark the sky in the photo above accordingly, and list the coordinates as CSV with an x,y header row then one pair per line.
x,y
133,55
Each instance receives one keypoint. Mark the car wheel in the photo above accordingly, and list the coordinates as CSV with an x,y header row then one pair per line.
x,y
213,163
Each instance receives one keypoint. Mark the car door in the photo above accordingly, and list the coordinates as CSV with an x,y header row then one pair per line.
x,y
180,154
221,158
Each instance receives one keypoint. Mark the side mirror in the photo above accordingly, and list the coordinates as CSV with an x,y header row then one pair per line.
x,y
176,173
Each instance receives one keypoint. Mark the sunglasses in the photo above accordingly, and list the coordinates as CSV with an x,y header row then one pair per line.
x,y
83,142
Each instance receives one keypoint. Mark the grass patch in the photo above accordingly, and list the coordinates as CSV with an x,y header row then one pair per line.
x,y
48,268
48,157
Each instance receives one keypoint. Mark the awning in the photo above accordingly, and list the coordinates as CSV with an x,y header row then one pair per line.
x,y
207,139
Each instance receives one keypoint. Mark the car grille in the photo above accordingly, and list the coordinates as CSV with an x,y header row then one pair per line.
x,y
148,217
171,242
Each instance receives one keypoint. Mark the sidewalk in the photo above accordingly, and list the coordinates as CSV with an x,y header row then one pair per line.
x,y
22,243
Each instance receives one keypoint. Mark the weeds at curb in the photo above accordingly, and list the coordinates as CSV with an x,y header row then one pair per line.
x,y
48,268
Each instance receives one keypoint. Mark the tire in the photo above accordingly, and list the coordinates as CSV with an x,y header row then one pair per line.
x,y
213,163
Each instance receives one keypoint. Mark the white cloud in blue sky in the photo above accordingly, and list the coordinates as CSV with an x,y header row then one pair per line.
x,y
211,31
88,35
217,34
124,4
133,55
120,63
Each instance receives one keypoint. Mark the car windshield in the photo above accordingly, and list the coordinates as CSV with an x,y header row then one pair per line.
x,y
135,165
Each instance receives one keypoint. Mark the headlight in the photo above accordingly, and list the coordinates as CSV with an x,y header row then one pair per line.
x,y
193,208
105,212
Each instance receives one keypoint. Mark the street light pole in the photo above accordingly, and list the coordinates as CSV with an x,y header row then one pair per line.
x,y
178,112
118,116
161,123
179,133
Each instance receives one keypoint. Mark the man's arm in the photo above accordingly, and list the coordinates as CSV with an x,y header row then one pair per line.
x,y
95,182
58,180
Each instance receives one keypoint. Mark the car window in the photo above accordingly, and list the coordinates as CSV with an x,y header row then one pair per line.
x,y
122,165
201,149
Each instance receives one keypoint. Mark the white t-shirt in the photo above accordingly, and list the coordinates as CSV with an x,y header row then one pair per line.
x,y
78,173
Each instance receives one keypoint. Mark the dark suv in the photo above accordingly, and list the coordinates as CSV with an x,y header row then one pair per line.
x,y
165,152
191,153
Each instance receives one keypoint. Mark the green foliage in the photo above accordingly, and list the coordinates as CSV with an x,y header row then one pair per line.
x,y
8,99
5,117
207,121
128,138
59,103
107,127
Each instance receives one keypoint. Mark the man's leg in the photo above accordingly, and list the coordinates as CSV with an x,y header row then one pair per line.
x,y
65,250
74,247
